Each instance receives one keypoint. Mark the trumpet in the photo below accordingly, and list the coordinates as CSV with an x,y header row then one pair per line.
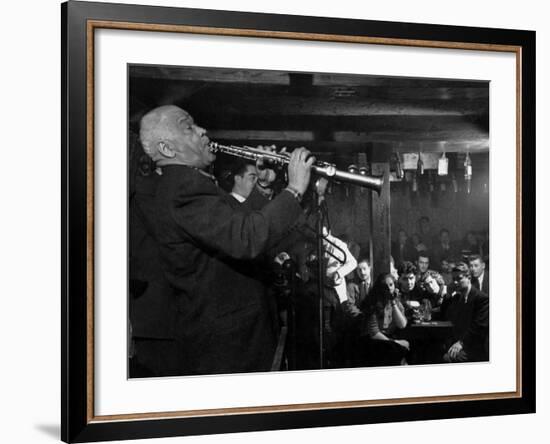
x,y
324,169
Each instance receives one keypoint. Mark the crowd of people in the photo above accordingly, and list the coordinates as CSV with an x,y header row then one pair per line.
x,y
219,264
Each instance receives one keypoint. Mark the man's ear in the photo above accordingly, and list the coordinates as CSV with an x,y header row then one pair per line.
x,y
165,150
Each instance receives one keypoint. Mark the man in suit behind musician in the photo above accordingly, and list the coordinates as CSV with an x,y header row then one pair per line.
x,y
210,253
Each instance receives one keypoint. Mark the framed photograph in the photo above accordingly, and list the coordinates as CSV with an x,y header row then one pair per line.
x,y
275,222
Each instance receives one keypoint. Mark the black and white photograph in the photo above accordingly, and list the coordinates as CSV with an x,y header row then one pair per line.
x,y
286,221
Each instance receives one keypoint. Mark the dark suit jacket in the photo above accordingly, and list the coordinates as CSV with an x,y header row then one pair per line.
x,y
485,284
151,307
207,251
357,299
471,323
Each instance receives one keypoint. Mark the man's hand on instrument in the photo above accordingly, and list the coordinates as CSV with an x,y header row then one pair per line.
x,y
266,176
299,169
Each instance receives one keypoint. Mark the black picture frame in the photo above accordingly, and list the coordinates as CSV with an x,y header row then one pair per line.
x,y
78,423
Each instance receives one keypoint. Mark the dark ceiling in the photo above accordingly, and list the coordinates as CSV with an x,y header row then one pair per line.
x,y
328,113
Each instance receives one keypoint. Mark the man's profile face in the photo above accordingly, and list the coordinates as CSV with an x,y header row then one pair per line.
x,y
477,267
407,282
186,138
244,184
363,271
423,264
445,237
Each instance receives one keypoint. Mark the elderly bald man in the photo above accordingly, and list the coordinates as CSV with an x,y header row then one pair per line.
x,y
211,253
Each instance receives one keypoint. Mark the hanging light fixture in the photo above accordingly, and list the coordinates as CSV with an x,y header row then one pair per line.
x,y
396,161
414,183
420,164
443,162
455,183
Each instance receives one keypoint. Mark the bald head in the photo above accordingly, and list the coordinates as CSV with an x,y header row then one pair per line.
x,y
170,136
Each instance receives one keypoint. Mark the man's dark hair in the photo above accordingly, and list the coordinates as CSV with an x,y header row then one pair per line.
x,y
434,274
364,259
424,253
462,269
444,230
227,177
426,218
240,168
474,257
406,267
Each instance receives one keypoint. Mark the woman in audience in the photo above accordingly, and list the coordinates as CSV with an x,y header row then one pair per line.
x,y
384,318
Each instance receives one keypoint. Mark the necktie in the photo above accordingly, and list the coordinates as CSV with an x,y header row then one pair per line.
x,y
363,291
476,282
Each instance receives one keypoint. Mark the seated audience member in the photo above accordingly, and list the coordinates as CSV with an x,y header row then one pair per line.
x,y
470,245
358,288
447,271
422,264
480,275
434,288
444,249
429,347
469,312
417,243
407,283
384,317
402,249
425,231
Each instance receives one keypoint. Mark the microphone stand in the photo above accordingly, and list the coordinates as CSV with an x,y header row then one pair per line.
x,y
289,267
320,213
321,218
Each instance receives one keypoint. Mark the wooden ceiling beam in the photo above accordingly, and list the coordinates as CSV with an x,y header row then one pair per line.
x,y
269,77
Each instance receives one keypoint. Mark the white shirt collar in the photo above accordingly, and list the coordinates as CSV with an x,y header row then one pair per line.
x,y
239,198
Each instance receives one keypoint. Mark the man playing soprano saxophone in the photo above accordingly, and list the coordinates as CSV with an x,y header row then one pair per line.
x,y
208,252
